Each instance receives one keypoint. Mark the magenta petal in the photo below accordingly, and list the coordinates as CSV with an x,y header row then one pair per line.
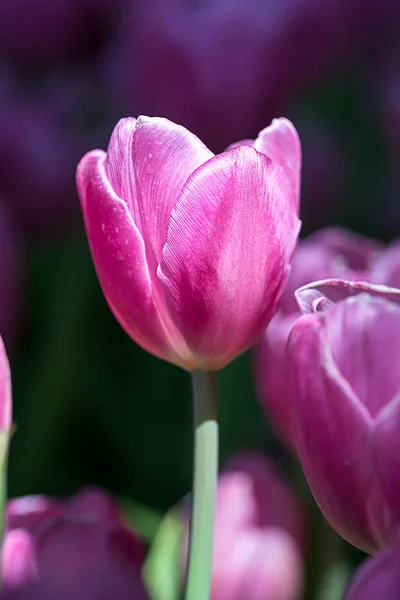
x,y
231,237
386,455
5,390
274,388
378,577
280,142
321,295
119,164
164,156
119,255
332,431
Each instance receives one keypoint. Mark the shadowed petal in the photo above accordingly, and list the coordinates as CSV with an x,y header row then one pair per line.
x,y
5,390
332,431
230,241
386,454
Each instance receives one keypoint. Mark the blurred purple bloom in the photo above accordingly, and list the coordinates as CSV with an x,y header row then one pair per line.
x,y
331,252
211,66
345,410
258,534
75,550
378,577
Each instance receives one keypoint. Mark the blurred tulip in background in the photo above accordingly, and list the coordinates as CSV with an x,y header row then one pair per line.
x,y
259,533
59,550
330,252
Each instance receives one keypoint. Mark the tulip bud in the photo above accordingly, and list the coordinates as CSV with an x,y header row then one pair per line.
x,y
378,577
188,270
258,534
330,252
345,415
77,549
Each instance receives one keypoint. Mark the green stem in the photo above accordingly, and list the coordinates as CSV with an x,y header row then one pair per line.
x,y
205,474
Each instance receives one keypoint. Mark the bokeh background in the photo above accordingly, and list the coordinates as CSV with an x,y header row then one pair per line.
x,y
90,406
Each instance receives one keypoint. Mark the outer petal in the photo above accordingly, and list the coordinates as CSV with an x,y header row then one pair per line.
x,y
5,391
262,564
386,454
119,257
378,577
164,156
322,294
273,386
19,564
332,432
280,142
230,241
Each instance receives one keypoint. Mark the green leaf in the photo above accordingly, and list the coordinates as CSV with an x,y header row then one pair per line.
x,y
334,582
162,570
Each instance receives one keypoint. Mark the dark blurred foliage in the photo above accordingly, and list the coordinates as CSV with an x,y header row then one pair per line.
x,y
90,406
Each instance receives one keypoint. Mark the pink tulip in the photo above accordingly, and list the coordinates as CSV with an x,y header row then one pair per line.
x,y
192,250
378,577
342,361
258,534
75,550
331,252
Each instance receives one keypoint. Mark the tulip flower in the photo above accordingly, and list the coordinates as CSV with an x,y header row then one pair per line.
x,y
378,577
345,411
258,537
330,252
192,250
78,549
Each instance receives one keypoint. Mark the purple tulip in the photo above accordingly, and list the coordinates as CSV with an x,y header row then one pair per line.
x,y
331,252
258,535
345,411
188,270
378,577
77,550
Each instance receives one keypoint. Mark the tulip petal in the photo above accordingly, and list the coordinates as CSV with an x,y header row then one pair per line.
x,y
332,432
119,164
5,390
231,236
386,455
119,255
321,295
280,142
164,156
378,577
